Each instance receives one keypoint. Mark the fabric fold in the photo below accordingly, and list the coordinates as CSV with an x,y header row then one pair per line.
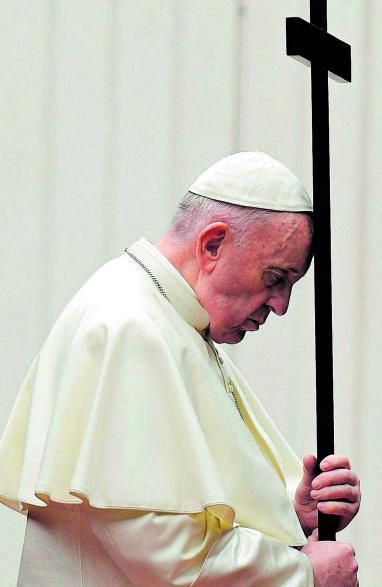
x,y
122,409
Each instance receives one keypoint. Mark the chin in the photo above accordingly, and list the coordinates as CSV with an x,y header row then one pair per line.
x,y
228,337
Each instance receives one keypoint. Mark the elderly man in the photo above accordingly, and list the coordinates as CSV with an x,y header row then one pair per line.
x,y
136,447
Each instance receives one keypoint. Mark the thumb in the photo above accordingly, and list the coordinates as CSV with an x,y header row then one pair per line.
x,y
314,536
309,463
304,488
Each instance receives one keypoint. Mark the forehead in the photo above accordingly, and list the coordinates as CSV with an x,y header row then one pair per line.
x,y
284,241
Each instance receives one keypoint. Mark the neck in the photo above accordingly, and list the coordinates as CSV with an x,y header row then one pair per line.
x,y
181,256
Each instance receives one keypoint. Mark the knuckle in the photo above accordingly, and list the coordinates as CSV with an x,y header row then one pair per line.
x,y
354,488
348,548
349,477
342,459
344,508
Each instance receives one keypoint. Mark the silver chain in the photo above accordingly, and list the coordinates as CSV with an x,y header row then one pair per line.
x,y
217,357
227,384
149,273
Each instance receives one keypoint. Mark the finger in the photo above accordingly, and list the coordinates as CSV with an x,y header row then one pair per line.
x,y
337,477
338,508
303,490
309,463
351,549
313,537
335,462
346,492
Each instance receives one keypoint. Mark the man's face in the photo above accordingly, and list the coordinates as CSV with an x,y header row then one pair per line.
x,y
249,282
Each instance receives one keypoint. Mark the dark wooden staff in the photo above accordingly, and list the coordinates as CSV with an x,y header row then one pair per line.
x,y
310,43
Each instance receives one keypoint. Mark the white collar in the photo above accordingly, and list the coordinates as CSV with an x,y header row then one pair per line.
x,y
181,295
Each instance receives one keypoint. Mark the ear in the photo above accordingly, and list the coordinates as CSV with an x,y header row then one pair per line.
x,y
210,244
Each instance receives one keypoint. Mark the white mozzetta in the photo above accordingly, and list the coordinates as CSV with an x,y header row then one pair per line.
x,y
124,408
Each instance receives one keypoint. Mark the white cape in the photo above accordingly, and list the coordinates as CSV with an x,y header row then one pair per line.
x,y
124,408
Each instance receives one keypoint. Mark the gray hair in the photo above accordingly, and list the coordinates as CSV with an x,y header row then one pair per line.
x,y
195,211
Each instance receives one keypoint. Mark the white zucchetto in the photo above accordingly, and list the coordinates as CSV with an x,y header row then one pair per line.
x,y
253,179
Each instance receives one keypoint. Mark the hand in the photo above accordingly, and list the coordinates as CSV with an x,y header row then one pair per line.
x,y
335,491
333,563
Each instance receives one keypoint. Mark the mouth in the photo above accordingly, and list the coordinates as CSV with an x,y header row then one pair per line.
x,y
250,325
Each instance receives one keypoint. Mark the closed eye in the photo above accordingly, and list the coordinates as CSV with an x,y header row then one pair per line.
x,y
272,279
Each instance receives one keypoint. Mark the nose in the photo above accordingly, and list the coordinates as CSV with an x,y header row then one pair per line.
x,y
279,301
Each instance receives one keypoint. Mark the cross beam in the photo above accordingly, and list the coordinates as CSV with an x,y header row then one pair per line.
x,y
312,44
307,42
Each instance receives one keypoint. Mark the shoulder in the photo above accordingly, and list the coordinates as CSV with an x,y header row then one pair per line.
x,y
119,299
119,282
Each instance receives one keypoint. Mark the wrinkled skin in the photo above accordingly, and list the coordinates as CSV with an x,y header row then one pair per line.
x,y
239,287
334,563
335,491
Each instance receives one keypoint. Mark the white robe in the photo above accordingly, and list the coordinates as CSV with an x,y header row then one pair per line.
x,y
125,416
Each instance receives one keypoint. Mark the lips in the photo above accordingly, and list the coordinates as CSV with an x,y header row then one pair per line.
x,y
262,321
250,325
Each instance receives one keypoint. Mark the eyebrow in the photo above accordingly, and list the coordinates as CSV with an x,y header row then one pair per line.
x,y
286,269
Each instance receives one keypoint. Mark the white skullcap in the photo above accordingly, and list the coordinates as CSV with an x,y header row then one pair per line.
x,y
253,179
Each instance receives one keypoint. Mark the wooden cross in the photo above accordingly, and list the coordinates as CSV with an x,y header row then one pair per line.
x,y
314,46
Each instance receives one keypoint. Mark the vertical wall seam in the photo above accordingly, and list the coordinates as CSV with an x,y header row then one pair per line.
x,y
240,13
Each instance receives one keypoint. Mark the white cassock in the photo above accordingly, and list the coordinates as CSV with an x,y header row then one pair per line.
x,y
127,427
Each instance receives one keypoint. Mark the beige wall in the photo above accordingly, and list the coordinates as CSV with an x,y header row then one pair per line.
x,y
109,110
